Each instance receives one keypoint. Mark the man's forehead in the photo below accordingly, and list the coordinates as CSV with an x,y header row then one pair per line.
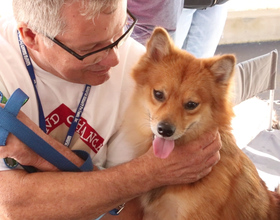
x,y
93,31
90,8
88,11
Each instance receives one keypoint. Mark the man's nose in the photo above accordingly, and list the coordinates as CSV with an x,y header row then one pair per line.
x,y
112,59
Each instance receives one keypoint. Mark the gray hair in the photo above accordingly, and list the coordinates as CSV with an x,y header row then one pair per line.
x,y
45,16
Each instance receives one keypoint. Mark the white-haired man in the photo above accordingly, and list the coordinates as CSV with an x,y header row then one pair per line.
x,y
76,46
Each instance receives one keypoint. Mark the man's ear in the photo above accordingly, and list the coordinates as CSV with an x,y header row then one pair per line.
x,y
28,36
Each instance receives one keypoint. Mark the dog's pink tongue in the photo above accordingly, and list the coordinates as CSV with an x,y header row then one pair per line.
x,y
162,147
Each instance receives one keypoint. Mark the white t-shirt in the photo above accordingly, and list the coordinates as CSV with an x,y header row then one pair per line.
x,y
103,113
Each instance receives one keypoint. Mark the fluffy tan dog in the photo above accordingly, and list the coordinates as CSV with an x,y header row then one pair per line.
x,y
178,98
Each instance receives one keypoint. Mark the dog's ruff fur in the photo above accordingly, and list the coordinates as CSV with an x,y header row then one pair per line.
x,y
191,96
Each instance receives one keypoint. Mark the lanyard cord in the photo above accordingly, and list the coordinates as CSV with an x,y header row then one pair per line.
x,y
78,115
30,70
42,122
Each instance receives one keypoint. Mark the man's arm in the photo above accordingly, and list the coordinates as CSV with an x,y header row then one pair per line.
x,y
67,195
86,195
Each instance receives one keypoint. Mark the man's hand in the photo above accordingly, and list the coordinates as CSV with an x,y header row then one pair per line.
x,y
24,155
187,164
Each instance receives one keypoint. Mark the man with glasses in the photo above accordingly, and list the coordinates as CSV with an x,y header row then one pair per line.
x,y
73,59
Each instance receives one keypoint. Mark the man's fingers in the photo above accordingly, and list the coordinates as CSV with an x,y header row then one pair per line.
x,y
213,160
213,146
211,138
204,173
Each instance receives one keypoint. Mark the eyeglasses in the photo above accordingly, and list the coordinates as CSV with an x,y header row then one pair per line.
x,y
128,28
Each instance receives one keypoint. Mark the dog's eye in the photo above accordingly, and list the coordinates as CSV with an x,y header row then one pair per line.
x,y
191,105
159,95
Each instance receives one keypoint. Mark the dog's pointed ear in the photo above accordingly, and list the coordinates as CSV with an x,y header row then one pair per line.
x,y
159,44
223,68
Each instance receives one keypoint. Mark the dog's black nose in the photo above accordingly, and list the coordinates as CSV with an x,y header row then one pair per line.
x,y
165,129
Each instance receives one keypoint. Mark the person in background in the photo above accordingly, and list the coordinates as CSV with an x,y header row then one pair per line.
x,y
164,13
62,50
202,29
199,29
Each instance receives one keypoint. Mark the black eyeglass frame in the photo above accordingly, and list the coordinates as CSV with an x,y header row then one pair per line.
x,y
111,46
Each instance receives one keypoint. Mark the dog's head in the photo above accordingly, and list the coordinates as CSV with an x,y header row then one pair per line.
x,y
182,95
